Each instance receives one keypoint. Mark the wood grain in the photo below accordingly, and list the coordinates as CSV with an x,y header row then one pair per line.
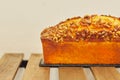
x,y
88,74
33,71
105,73
9,64
71,73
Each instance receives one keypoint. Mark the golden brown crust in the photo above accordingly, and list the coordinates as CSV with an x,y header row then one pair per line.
x,y
81,52
88,28
89,40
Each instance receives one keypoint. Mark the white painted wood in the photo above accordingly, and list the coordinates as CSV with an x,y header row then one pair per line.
x,y
19,74
88,74
54,74
118,69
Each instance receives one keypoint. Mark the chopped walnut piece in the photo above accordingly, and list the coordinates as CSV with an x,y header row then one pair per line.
x,y
86,21
88,28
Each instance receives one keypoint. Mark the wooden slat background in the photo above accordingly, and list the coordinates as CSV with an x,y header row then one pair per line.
x,y
71,73
9,64
105,73
33,71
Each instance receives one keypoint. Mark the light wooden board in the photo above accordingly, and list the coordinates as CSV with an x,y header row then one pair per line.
x,y
118,69
9,64
71,73
33,71
88,74
105,73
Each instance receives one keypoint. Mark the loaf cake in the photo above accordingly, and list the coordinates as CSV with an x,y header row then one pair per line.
x,y
92,39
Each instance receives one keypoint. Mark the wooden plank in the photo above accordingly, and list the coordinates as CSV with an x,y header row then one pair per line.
x,y
88,74
54,73
105,73
118,69
71,73
33,71
9,64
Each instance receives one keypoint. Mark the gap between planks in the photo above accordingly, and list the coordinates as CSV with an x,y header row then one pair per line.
x,y
33,71
9,65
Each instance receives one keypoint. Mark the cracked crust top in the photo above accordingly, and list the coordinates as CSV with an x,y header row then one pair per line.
x,y
87,28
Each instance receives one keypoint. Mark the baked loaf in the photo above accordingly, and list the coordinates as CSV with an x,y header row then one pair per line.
x,y
92,39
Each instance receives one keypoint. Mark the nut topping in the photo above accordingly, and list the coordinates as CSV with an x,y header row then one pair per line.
x,y
88,28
